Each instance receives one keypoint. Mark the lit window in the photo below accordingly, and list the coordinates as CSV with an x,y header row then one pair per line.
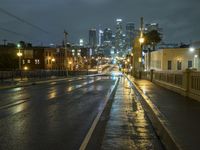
x,y
28,61
37,61
23,61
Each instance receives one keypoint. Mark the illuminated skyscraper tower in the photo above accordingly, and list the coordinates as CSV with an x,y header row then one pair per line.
x,y
130,34
119,36
92,38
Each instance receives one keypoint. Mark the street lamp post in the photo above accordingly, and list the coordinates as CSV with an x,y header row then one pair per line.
x,y
65,44
19,54
70,67
52,64
141,41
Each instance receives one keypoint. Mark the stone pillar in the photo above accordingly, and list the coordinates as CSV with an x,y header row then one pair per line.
x,y
186,81
151,75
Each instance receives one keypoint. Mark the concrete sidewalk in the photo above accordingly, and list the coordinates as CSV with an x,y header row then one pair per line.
x,y
128,127
181,114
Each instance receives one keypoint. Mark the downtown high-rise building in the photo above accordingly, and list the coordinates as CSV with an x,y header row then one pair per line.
x,y
100,37
107,35
130,34
92,38
119,36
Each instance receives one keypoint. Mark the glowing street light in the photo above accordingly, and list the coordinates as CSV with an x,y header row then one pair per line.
x,y
191,49
53,60
141,40
70,63
25,68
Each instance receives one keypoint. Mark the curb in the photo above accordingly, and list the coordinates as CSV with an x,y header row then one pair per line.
x,y
88,136
158,120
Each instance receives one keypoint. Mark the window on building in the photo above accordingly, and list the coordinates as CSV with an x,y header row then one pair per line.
x,y
46,53
37,61
23,61
189,63
28,61
169,65
179,65
47,61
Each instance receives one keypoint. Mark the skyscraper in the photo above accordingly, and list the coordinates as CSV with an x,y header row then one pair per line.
x,y
119,36
130,30
100,37
107,35
92,38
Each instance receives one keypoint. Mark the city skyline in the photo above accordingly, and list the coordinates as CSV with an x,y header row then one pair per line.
x,y
78,16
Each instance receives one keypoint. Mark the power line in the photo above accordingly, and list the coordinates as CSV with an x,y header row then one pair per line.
x,y
23,21
12,32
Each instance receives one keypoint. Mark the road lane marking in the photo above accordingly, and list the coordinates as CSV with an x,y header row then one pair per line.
x,y
14,104
96,120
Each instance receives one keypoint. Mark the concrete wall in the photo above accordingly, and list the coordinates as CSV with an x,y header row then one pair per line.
x,y
160,58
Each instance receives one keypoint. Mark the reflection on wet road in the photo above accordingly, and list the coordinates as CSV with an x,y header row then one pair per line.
x,y
128,126
49,116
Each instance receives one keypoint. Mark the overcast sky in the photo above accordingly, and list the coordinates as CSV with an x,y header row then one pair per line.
x,y
180,19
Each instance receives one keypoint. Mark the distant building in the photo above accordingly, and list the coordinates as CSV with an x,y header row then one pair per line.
x,y
107,36
173,59
100,37
130,34
92,38
57,58
119,36
32,57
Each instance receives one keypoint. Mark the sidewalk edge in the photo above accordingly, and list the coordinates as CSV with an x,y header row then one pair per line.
x,y
158,121
88,136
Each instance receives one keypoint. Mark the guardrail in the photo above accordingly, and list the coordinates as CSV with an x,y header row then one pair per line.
x,y
41,74
185,82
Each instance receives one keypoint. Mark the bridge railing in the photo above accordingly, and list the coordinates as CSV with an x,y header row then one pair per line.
x,y
185,82
5,75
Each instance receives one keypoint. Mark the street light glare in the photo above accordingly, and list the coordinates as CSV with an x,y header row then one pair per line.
x,y
191,49
19,54
18,45
141,40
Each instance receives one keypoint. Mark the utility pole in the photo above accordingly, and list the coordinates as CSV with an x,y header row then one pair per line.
x,y
4,42
65,44
141,40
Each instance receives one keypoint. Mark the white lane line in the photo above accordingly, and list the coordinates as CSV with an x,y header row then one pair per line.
x,y
96,120
14,104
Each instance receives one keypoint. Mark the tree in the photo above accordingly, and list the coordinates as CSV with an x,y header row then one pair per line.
x,y
152,38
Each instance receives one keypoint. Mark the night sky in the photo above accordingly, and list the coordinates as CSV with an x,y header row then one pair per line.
x,y
180,19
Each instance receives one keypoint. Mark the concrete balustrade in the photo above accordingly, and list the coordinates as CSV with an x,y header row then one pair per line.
x,y
186,82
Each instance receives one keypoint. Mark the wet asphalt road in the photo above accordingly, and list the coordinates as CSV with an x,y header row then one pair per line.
x,y
55,115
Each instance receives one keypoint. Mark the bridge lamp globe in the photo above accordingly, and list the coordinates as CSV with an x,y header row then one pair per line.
x,y
191,49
